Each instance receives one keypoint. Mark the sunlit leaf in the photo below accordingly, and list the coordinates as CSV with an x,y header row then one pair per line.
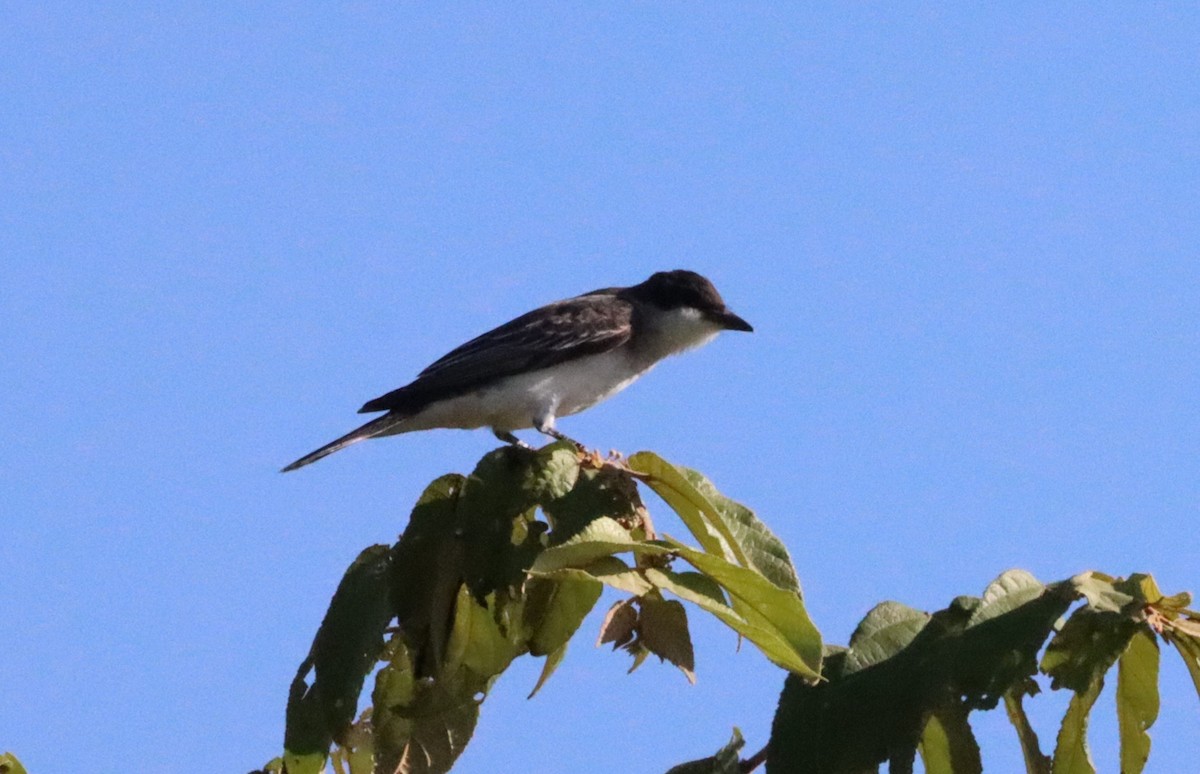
x,y
948,745
553,659
763,550
554,609
10,765
1071,755
1137,699
764,605
695,510
1008,592
603,537
476,641
886,630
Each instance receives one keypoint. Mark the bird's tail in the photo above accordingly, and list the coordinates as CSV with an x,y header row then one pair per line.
x,y
371,429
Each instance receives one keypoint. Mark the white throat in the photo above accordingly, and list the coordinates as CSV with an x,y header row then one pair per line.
x,y
674,331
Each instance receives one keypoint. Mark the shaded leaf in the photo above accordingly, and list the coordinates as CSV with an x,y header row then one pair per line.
x,y
598,492
886,630
421,726
663,630
554,609
1188,646
620,624
427,570
553,659
1086,646
344,650
496,512
1137,699
948,745
726,761
970,653
1036,762
350,639
1077,658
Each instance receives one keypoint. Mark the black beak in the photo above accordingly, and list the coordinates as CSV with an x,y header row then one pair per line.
x,y
731,322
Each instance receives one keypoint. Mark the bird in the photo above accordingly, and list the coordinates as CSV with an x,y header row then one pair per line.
x,y
554,361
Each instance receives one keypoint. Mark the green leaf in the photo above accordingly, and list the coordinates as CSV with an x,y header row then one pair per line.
x,y
427,570
696,511
344,651
350,639
10,765
553,472
476,640
763,550
607,491
765,607
421,726
1086,646
1035,761
554,609
886,630
947,744
663,630
1188,645
601,538
726,761
1008,592
1077,658
496,512
1071,754
1137,699
611,571
553,659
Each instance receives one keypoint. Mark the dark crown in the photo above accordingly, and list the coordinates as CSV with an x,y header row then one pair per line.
x,y
680,288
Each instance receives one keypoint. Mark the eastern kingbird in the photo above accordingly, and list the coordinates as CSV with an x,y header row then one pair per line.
x,y
551,362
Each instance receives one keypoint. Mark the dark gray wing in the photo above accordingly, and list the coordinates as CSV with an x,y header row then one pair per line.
x,y
585,325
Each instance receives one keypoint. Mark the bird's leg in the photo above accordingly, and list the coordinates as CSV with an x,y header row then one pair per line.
x,y
507,437
546,427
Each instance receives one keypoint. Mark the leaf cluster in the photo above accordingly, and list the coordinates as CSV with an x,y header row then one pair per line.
x,y
507,562
909,679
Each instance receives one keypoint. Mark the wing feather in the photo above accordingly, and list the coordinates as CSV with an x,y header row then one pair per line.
x,y
585,325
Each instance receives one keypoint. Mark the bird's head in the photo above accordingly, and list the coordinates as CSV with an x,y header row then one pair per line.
x,y
690,294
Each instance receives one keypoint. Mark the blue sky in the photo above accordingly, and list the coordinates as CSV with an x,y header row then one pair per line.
x,y
966,236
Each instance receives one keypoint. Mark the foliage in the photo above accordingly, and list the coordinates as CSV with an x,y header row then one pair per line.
x,y
10,765
507,562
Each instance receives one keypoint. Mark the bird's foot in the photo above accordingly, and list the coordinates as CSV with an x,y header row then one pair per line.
x,y
509,438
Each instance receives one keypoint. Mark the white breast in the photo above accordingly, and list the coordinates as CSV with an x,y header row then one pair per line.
x,y
519,401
